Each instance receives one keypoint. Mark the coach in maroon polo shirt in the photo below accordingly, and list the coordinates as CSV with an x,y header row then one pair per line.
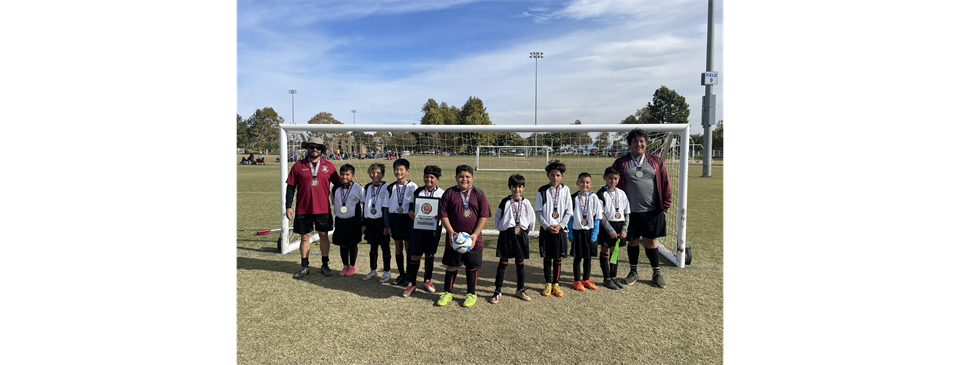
x,y
310,178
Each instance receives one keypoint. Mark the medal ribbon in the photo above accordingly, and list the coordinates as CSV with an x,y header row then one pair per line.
x,y
516,211
638,164
376,194
583,205
403,192
344,193
313,168
616,202
555,202
466,200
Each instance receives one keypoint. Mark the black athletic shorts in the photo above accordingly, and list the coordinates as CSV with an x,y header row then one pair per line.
x,y
423,242
652,224
604,237
306,223
401,226
471,259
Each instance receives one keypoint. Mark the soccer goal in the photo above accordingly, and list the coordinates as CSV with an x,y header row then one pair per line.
x,y
449,146
511,158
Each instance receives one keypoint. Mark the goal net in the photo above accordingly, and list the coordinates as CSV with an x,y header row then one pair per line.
x,y
511,158
494,153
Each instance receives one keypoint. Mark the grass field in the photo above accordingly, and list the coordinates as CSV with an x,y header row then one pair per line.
x,y
337,320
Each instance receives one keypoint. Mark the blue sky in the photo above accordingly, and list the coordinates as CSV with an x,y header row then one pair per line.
x,y
602,59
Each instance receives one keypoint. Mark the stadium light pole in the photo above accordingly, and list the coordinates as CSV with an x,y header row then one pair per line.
x,y
293,116
354,116
536,56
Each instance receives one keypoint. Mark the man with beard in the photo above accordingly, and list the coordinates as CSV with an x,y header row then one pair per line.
x,y
310,179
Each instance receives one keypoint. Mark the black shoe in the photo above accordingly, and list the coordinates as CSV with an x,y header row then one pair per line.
x,y
632,277
611,284
620,282
658,280
303,271
400,280
326,270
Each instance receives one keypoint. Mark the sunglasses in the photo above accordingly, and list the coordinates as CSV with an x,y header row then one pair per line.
x,y
318,148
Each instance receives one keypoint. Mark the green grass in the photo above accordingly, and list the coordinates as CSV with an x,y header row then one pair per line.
x,y
333,319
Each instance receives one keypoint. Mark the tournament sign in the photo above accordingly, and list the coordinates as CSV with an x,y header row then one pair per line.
x,y
426,211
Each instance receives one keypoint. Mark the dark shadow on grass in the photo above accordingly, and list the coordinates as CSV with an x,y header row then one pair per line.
x,y
261,249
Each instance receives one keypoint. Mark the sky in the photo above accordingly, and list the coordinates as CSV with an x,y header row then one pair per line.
x,y
602,60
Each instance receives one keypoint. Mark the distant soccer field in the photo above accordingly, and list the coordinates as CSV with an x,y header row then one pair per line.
x,y
336,319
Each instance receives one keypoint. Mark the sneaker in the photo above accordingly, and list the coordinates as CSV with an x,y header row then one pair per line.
x,y
399,279
522,294
620,282
325,270
303,271
370,274
589,285
351,270
344,271
631,278
386,277
470,301
611,284
658,279
428,285
408,291
578,286
495,299
445,298
547,290
556,290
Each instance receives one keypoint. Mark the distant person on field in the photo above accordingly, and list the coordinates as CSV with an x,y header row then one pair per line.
x,y
310,179
644,179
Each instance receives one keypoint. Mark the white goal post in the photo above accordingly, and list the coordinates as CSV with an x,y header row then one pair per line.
x,y
450,145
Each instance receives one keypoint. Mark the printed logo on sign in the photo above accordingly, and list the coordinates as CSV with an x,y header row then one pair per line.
x,y
426,208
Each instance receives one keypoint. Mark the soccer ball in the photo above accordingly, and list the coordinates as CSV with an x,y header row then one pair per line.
x,y
461,242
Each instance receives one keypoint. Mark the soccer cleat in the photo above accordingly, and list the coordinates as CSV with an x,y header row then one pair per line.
x,y
495,299
370,274
632,277
610,284
408,291
556,290
589,285
578,286
428,285
547,290
620,282
471,300
325,270
399,279
445,298
351,270
344,271
386,277
658,279
522,294
303,271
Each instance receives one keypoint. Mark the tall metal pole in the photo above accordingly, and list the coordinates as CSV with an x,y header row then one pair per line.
x,y
709,100
293,115
354,116
536,56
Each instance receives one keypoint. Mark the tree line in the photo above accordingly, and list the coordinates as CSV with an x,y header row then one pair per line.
x,y
260,130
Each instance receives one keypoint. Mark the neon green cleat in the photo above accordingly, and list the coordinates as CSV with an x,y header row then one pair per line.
x,y
470,301
445,298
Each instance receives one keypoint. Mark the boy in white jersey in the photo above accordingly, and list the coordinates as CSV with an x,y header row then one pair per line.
x,y
374,227
423,242
582,231
554,209
348,219
515,220
399,224
616,209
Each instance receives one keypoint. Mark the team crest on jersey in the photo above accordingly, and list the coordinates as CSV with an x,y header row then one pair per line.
x,y
324,168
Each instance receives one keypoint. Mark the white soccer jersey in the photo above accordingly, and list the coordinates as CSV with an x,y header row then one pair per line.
x,y
612,200
586,208
506,216
400,197
375,198
547,199
347,198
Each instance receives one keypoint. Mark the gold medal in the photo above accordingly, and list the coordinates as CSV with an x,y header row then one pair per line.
x,y
583,223
343,209
617,216
555,215
516,230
